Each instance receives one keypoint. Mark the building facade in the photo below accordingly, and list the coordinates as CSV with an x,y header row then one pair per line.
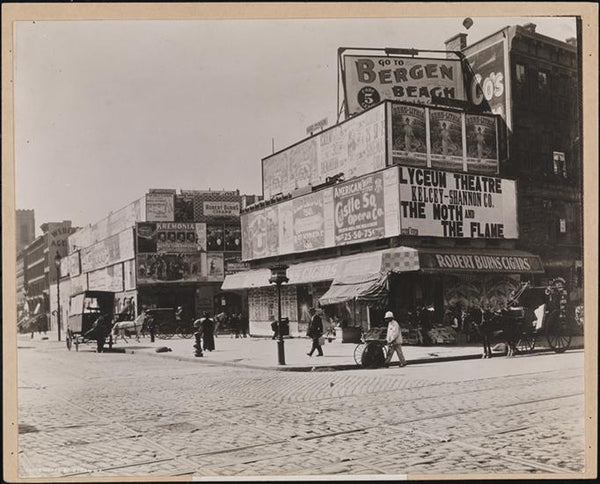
x,y
412,205
164,250
25,227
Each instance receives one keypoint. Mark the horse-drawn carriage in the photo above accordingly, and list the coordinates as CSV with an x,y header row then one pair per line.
x,y
530,313
90,319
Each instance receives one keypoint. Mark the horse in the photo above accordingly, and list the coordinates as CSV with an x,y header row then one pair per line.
x,y
136,326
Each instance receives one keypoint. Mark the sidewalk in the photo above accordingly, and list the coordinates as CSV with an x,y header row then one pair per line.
x,y
261,353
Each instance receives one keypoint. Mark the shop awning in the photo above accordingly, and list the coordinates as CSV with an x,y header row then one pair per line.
x,y
371,289
364,265
479,260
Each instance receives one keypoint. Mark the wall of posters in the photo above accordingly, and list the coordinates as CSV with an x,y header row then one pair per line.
x,y
272,220
153,268
482,144
446,139
444,204
354,147
215,267
160,207
116,248
106,279
359,210
409,138
170,237
233,238
309,222
369,79
215,238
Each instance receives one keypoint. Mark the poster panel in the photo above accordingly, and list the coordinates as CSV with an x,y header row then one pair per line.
x,y
176,237
234,263
446,139
255,235
309,224
303,165
216,267
286,227
73,264
78,284
200,237
359,210
129,274
272,222
370,79
152,268
391,202
482,144
458,205
146,237
276,178
233,238
160,207
106,279
489,79
409,141
214,238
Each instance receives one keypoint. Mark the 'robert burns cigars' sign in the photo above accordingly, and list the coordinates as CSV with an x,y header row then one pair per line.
x,y
444,204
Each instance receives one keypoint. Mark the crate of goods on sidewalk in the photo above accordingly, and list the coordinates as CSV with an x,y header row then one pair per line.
x,y
443,335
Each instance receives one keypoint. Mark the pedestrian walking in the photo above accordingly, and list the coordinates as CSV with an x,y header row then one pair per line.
x,y
315,331
235,325
208,328
243,324
150,325
394,339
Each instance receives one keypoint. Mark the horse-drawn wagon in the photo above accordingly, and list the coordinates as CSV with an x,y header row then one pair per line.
x,y
90,319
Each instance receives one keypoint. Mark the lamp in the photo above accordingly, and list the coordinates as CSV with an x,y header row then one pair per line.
x,y
279,277
57,259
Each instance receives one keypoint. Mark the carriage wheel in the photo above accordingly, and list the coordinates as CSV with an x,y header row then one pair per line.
x,y
185,333
373,355
358,351
557,333
526,343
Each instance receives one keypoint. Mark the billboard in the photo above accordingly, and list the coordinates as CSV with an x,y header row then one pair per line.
x,y
233,238
409,138
444,204
489,79
106,279
309,222
354,147
184,208
446,139
170,237
215,270
359,210
116,248
369,79
221,209
153,268
160,207
482,144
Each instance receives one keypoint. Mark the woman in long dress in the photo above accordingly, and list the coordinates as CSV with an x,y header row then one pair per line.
x,y
208,327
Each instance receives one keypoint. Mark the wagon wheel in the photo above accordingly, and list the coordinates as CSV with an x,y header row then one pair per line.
x,y
557,332
358,351
526,343
185,332
373,355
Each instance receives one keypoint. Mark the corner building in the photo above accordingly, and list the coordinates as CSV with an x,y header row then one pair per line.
x,y
407,205
166,249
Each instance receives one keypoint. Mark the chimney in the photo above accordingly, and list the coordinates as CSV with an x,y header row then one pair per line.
x,y
572,41
530,28
458,42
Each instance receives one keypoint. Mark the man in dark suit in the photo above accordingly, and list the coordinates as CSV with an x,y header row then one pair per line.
x,y
315,331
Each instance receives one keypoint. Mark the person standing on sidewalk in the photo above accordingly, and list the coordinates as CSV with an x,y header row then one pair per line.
x,y
208,328
394,339
315,331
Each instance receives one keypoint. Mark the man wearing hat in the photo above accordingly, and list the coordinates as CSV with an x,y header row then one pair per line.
x,y
394,339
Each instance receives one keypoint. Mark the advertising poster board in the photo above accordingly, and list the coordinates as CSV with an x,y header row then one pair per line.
x,y
79,284
160,207
200,237
214,238
286,227
482,144
176,237
233,238
216,268
152,268
369,79
489,80
309,223
409,138
446,139
359,210
254,235
221,209
233,264
391,202
272,216
354,147
106,252
106,279
457,205
73,264
146,237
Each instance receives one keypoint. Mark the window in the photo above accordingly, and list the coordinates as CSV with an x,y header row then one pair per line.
x,y
559,164
520,73
543,79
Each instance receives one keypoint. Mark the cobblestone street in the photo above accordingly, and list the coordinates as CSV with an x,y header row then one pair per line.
x,y
84,414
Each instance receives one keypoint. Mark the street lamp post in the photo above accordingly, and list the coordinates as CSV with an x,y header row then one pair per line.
x,y
278,277
57,263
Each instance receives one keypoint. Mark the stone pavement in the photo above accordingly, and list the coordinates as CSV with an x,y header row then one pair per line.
x,y
117,414
261,353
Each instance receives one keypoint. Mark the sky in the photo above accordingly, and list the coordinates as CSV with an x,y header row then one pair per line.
x,y
105,110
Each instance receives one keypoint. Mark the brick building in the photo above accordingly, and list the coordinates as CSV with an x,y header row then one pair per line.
x,y
25,227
